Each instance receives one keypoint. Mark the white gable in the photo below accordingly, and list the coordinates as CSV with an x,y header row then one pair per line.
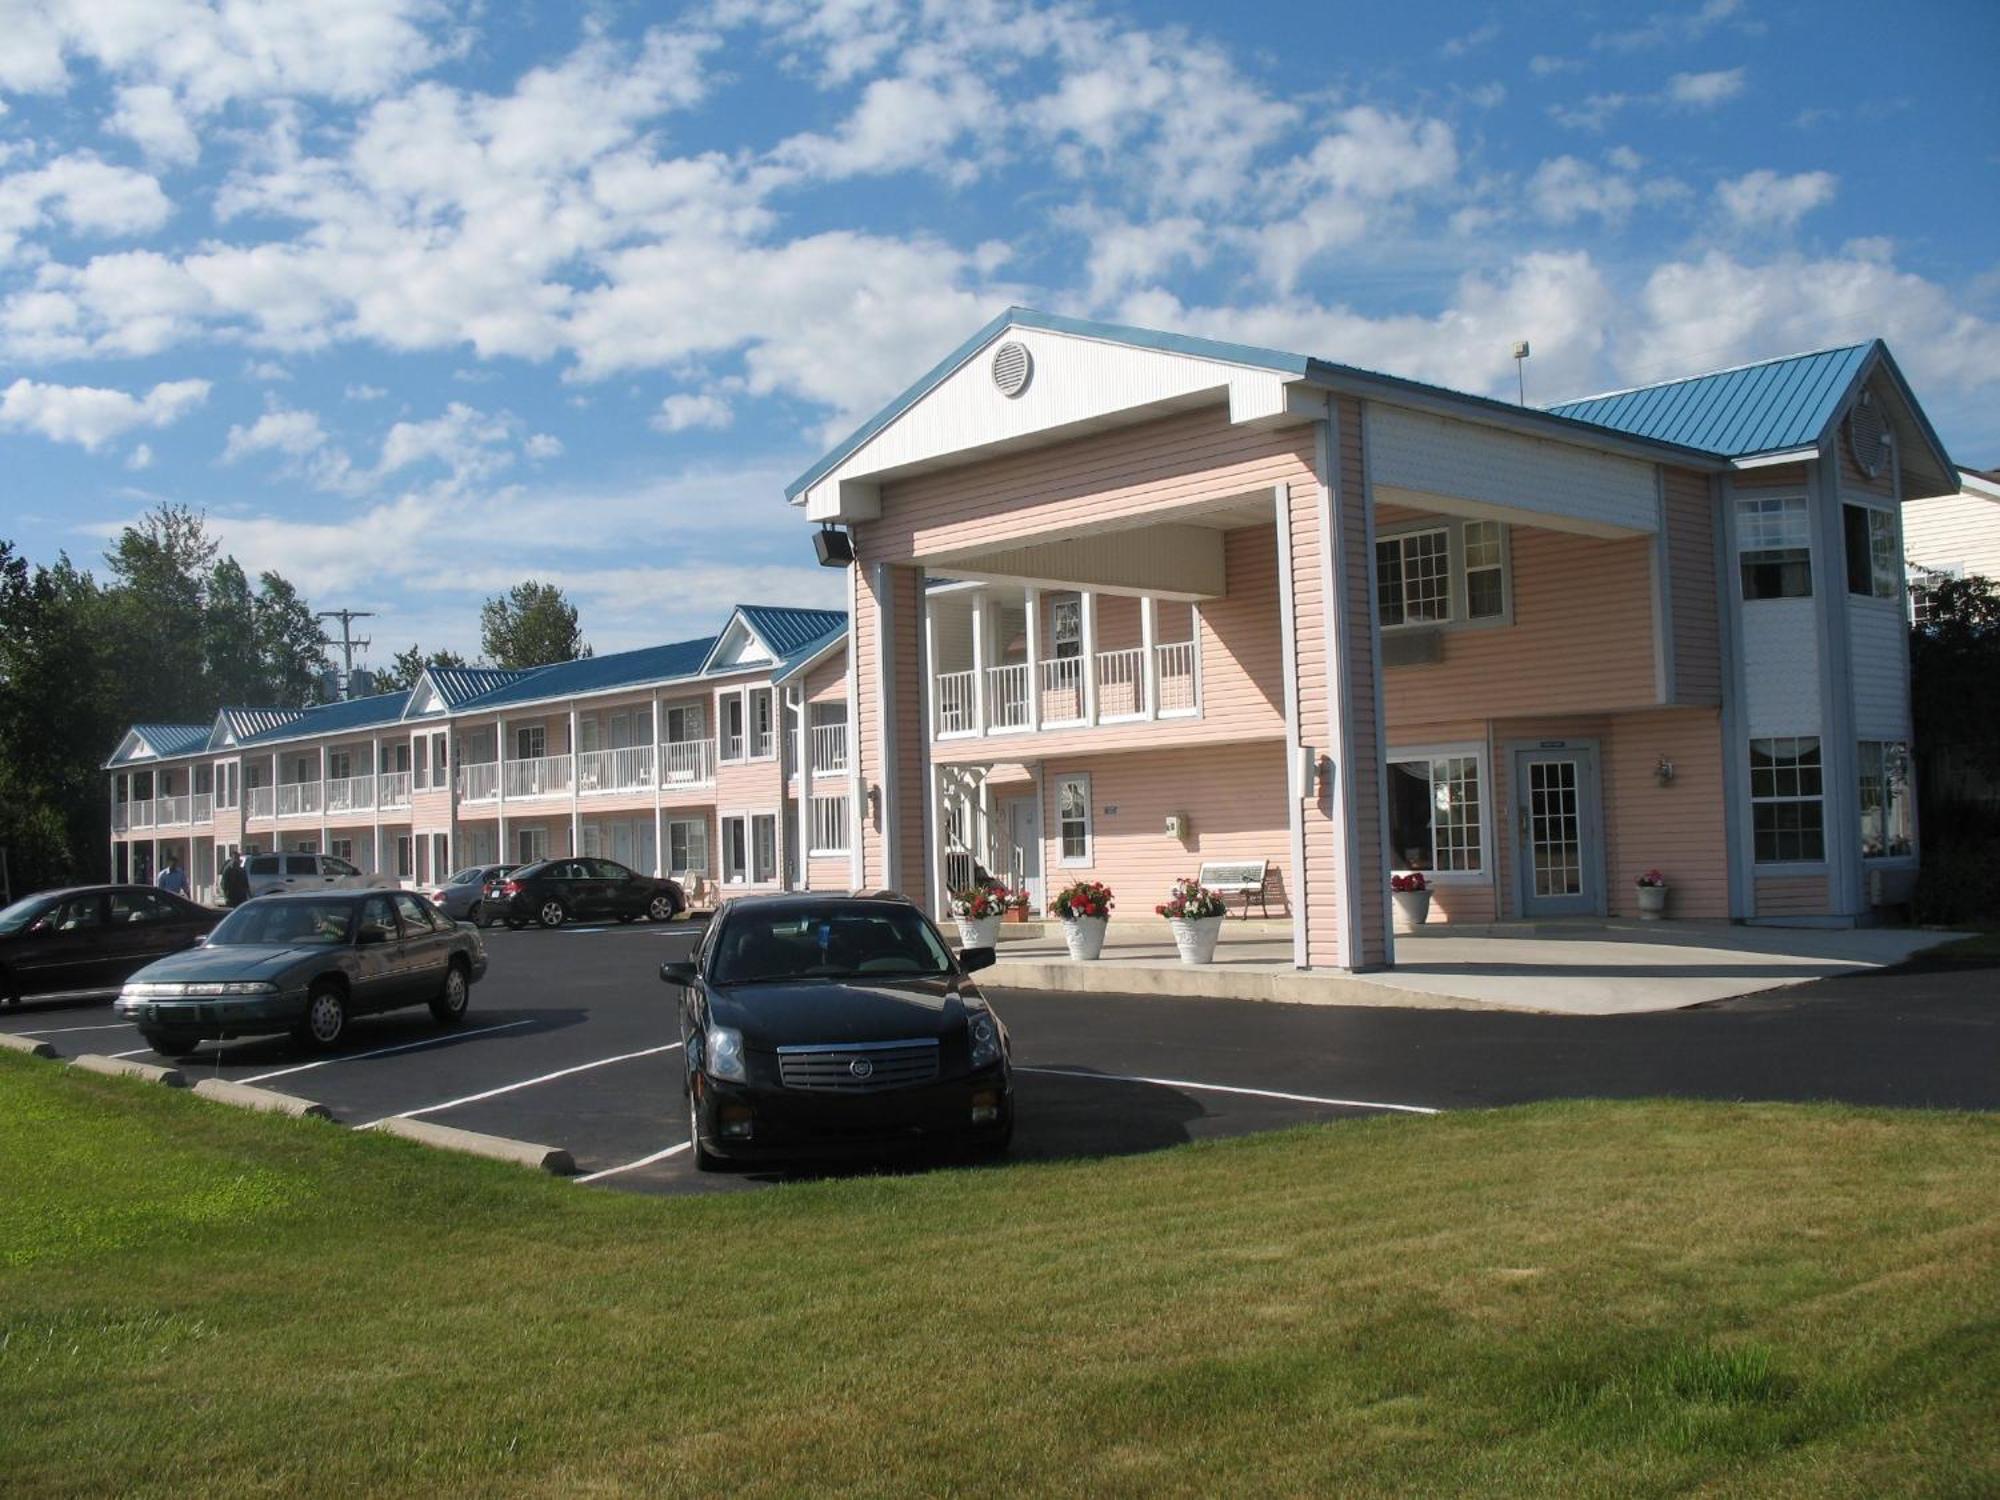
x,y
1071,379
738,646
425,700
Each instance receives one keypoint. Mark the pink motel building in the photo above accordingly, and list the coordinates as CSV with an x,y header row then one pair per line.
x,y
722,761
1124,602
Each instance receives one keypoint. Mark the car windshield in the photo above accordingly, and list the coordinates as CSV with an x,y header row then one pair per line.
x,y
466,877
22,912
284,924
760,948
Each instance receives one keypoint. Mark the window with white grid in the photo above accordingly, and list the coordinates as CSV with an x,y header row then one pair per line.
x,y
1885,799
1774,546
829,825
1485,571
1788,814
1434,813
1413,577
687,846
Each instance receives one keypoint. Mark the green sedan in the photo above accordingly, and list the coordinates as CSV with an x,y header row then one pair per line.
x,y
306,964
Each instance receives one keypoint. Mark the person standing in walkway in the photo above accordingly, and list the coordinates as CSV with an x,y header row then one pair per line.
x,y
173,878
235,881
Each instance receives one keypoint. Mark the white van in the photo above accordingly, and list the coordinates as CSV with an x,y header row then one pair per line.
x,y
309,872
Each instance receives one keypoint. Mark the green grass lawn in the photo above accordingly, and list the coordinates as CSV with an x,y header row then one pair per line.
x,y
1584,1299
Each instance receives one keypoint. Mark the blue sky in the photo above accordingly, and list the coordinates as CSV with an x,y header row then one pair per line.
x,y
417,299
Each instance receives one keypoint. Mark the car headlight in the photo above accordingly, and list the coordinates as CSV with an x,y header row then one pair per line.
x,y
725,1054
234,987
984,1034
152,990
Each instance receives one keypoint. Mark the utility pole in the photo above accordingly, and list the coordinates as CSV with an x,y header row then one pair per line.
x,y
1521,370
347,617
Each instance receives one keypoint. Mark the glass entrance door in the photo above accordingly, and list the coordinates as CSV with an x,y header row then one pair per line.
x,y
1559,859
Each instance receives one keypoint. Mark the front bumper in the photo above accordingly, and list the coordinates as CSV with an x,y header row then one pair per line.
x,y
216,1020
793,1123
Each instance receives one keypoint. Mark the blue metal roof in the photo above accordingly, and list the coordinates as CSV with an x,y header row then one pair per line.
x,y
599,674
457,685
1770,407
333,718
172,739
786,629
242,723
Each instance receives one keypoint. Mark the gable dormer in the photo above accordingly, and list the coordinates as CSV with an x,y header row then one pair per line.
x,y
739,648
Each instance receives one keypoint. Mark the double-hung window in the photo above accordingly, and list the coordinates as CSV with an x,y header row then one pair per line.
x,y
1774,546
1435,814
1787,807
687,846
1073,819
764,848
1872,561
1413,577
1885,799
829,825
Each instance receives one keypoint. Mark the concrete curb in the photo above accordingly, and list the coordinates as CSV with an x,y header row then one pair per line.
x,y
1220,982
522,1153
30,1045
243,1096
124,1067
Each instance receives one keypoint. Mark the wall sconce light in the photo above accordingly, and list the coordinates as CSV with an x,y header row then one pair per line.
x,y
1664,772
1177,825
875,805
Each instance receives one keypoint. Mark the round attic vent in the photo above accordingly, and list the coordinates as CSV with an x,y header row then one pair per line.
x,y
1867,436
1012,367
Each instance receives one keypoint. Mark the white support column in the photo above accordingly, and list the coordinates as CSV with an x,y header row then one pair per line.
x,y
575,806
805,788
322,799
275,840
1149,661
980,714
659,775
375,797
500,855
1089,611
153,868
112,869
1034,603
857,784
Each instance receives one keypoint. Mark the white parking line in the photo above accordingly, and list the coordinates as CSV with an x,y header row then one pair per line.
x,y
135,1052
62,1030
644,1161
1223,1088
528,1083
429,1041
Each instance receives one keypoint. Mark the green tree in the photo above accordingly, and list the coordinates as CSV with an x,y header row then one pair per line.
x,y
405,667
291,649
531,625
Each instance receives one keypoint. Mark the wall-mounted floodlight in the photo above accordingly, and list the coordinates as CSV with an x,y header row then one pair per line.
x,y
833,547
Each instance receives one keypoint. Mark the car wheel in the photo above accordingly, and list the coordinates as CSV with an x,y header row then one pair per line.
x,y
704,1161
552,913
448,1005
171,1043
660,908
325,1020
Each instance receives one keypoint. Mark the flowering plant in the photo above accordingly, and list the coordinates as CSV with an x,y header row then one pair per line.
x,y
978,902
1414,881
1190,902
1082,898
1651,878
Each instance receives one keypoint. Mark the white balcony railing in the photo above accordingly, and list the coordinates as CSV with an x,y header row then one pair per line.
x,y
261,801
544,776
626,769
829,742
478,780
143,814
732,747
392,789
1062,690
172,811
204,807
954,702
760,743
687,763
298,799
1007,696
121,817
1121,683
1175,673
350,794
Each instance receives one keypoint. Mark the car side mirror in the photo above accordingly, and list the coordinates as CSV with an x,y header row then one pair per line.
x,y
974,959
41,927
368,936
682,974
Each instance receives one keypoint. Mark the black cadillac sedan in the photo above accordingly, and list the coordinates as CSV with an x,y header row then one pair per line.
x,y
820,1022
580,889
85,941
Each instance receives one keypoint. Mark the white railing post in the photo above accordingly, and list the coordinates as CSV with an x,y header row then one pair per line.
x,y
375,799
1088,609
659,773
500,787
981,715
1149,632
1034,602
575,814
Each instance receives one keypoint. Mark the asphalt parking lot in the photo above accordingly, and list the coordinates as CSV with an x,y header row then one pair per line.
x,y
571,1041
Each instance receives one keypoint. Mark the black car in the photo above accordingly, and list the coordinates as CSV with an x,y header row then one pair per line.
x,y
818,1022
305,964
582,888
85,941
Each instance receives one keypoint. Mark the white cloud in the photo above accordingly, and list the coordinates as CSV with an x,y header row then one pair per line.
x,y
1470,41
361,391
1565,189
542,445
1765,200
1594,113
678,413
265,369
141,457
901,122
294,433
85,195
1547,65
91,416
1666,28
150,115
470,444
1705,90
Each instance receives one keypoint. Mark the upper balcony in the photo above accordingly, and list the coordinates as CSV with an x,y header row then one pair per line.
x,y
1015,660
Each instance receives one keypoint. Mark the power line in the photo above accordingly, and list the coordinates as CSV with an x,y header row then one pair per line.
x,y
347,617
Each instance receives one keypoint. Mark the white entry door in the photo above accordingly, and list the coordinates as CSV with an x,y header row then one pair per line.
x,y
1558,843
1023,826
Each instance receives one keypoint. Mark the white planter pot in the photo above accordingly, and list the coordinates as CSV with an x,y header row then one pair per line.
x,y
1413,909
1196,938
1085,936
1652,902
981,933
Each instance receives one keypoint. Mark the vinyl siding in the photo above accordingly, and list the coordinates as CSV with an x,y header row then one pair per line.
x,y
1879,668
1365,717
1954,531
1792,896
912,761
1676,829
1691,546
1781,663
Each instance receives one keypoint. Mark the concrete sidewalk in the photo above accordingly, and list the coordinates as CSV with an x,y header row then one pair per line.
x,y
1583,968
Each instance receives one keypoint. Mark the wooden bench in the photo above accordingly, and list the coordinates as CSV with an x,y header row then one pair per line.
x,y
1248,878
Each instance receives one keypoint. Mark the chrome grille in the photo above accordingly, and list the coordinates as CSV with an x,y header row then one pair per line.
x,y
858,1067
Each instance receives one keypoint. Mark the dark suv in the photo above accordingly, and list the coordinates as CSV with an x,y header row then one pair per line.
x,y
581,888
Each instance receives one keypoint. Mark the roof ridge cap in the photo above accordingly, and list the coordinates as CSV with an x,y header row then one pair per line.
x,y
1752,364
